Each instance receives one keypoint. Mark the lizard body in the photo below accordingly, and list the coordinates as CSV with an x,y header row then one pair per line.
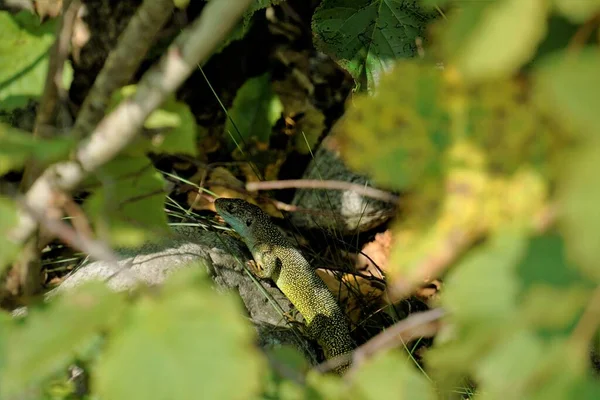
x,y
277,259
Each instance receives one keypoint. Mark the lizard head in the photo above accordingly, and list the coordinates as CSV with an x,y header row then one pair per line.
x,y
240,215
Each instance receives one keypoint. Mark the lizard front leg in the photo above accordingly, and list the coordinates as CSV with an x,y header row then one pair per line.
x,y
266,263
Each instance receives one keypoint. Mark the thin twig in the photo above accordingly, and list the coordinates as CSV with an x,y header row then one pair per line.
x,y
423,324
95,249
192,47
122,62
318,184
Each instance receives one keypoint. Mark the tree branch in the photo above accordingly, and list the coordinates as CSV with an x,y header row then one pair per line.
x,y
192,47
122,62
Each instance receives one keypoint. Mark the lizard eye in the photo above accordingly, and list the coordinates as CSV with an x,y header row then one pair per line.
x,y
248,222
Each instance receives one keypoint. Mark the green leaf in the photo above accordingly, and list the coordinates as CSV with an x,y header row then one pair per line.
x,y
173,122
178,129
486,40
255,110
51,337
5,320
579,217
365,37
8,220
391,376
544,262
190,341
23,57
577,11
182,4
128,205
17,146
568,85
545,275
483,286
499,372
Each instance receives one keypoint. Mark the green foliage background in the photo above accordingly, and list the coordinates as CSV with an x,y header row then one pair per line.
x,y
486,135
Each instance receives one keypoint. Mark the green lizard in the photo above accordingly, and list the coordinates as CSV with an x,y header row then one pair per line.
x,y
276,258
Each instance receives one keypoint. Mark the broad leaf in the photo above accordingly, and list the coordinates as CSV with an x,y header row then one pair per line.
x,y
580,221
390,376
127,203
568,85
187,343
494,39
17,146
173,126
483,287
255,110
365,37
50,338
177,127
23,57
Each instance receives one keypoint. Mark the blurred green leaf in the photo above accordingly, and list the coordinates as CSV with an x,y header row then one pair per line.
x,y
5,320
17,146
579,217
181,3
483,286
391,376
577,10
190,341
544,262
504,371
491,39
52,336
178,127
397,135
365,37
173,122
255,110
23,57
127,205
8,220
568,84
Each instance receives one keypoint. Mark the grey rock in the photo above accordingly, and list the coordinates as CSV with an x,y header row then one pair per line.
x,y
223,257
346,212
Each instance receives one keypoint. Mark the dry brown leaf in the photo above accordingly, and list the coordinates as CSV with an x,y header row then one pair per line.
x,y
375,255
48,8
